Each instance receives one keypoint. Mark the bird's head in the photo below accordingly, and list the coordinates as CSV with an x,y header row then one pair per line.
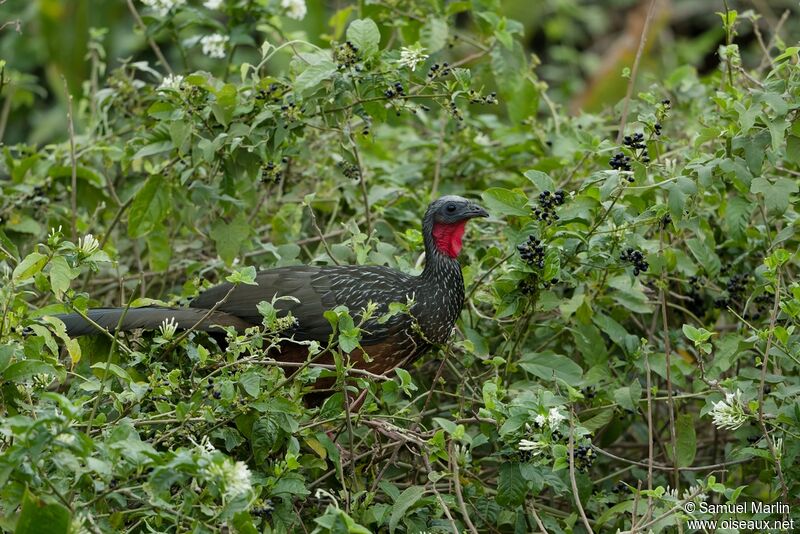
x,y
445,220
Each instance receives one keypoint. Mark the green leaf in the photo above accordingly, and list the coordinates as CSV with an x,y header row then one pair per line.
x,y
230,237
27,368
38,516
32,264
501,201
61,274
549,366
433,35
364,34
149,207
686,440
541,180
628,396
511,487
737,216
704,255
776,195
311,78
404,501
697,335
225,105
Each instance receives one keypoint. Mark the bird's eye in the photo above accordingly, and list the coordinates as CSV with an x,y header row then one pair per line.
x,y
451,208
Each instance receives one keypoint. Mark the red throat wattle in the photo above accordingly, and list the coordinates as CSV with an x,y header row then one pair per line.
x,y
448,237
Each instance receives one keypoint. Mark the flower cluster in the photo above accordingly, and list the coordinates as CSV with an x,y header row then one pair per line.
x,y
546,211
162,7
213,4
171,82
411,56
233,476
214,45
635,257
87,245
729,414
295,9
168,328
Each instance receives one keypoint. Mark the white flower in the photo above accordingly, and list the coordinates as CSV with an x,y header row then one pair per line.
x,y
536,447
88,245
295,9
162,7
554,418
411,55
168,328
234,476
54,237
730,412
214,45
172,82
687,494
213,4
540,420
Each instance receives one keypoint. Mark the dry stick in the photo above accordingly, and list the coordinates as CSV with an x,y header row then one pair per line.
x,y
635,69
321,236
572,473
775,455
363,185
459,496
539,523
650,451
444,506
73,162
437,169
661,467
200,321
668,358
150,41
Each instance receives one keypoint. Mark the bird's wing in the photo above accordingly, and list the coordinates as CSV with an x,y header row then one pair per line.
x,y
314,291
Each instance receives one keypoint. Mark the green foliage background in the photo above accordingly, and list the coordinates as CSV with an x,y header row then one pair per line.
x,y
577,394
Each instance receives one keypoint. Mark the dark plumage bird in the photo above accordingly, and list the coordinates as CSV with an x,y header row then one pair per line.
x,y
437,295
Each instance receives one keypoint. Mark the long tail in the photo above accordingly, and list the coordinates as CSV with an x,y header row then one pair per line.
x,y
149,318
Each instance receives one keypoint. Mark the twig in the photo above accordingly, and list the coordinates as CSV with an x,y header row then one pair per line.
x,y
635,69
668,375
150,41
73,162
572,480
321,236
661,467
459,496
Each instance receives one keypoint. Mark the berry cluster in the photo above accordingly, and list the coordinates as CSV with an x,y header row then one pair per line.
x,y
345,55
619,487
589,392
532,252
736,286
439,70
265,510
621,162
291,112
527,286
210,389
350,170
476,98
636,142
584,458
454,111
271,172
272,93
636,258
546,212
395,90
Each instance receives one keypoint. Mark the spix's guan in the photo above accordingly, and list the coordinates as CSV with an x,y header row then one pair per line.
x,y
437,295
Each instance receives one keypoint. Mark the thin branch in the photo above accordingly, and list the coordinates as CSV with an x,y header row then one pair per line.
x,y
635,70
74,164
150,41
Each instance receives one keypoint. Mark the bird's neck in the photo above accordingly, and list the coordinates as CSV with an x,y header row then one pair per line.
x,y
442,245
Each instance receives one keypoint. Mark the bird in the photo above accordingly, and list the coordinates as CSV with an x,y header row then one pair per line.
x,y
433,300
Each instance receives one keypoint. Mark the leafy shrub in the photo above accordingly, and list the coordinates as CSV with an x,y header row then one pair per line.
x,y
628,343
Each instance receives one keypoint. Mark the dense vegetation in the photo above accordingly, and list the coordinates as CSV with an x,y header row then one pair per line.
x,y
627,346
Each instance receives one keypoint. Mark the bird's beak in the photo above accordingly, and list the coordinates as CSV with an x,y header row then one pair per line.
x,y
476,211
